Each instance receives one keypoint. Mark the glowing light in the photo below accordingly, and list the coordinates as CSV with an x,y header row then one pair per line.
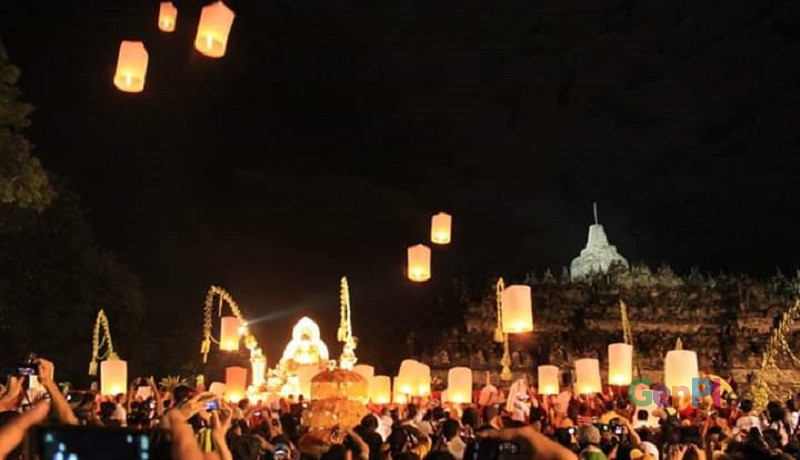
x,y
167,16
215,24
131,67
440,228
306,346
419,263
620,363
548,380
517,309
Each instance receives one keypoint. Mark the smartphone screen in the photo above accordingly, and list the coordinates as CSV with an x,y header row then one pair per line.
x,y
94,443
212,405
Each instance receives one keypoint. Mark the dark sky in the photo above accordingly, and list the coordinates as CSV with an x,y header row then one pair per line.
x,y
320,145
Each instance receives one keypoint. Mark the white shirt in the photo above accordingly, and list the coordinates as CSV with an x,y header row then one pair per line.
x,y
744,424
456,447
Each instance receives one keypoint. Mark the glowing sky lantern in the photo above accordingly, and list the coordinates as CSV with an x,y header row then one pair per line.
x,y
306,346
229,333
587,371
399,396
459,385
113,377
620,364
441,228
423,380
368,372
419,263
680,367
131,67
548,380
381,389
167,17
406,380
218,388
235,382
517,309
215,24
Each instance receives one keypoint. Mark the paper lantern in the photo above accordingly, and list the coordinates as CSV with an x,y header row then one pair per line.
x,y
459,385
548,380
218,388
620,364
167,17
368,372
423,380
131,67
229,333
398,394
587,371
517,309
113,377
406,382
236,382
440,228
419,263
680,367
381,389
212,31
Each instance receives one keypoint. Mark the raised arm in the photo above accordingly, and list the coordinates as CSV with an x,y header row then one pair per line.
x,y
59,402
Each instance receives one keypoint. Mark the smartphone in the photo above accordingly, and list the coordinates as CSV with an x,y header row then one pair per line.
x,y
572,430
281,451
212,405
491,450
618,430
89,443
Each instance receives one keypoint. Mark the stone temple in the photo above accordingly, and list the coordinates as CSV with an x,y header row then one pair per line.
x,y
598,254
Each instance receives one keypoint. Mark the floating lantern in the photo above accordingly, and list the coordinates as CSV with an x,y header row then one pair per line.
x,y
680,367
406,382
236,382
620,364
548,380
398,396
113,377
131,67
419,263
212,31
517,309
229,333
423,380
381,389
459,385
368,372
218,388
588,374
440,228
167,17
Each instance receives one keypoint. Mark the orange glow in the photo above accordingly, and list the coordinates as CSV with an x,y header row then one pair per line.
x,y
215,24
113,377
548,380
588,373
229,333
517,309
419,263
235,382
620,364
167,17
459,385
131,67
441,228
381,389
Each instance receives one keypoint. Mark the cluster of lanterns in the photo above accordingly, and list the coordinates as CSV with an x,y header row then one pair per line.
x,y
211,40
419,256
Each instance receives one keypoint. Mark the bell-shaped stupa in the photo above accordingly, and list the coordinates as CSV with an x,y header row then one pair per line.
x,y
597,256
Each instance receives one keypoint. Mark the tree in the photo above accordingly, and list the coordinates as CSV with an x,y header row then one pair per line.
x,y
23,180
53,280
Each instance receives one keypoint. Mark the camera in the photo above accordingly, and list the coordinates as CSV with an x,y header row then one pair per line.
x,y
28,367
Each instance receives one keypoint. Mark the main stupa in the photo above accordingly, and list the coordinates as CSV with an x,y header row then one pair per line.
x,y
598,254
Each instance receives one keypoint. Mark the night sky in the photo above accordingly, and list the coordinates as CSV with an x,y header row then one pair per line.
x,y
332,130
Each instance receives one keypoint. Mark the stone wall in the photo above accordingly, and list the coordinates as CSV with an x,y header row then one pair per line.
x,y
726,319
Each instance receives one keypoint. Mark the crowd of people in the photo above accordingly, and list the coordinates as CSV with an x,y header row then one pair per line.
x,y
202,425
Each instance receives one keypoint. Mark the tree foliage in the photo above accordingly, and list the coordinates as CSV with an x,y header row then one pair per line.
x,y
53,280
23,180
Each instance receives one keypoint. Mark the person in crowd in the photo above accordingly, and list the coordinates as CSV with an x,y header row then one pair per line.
x,y
367,431
746,420
589,440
